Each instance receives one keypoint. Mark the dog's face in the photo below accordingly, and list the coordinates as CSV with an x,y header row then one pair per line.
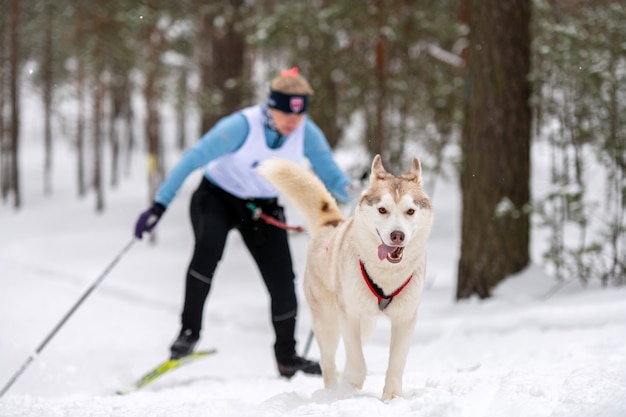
x,y
396,209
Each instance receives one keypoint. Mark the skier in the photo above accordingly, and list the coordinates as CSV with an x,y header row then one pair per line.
x,y
229,192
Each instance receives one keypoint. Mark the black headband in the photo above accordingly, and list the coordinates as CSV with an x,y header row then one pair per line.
x,y
288,103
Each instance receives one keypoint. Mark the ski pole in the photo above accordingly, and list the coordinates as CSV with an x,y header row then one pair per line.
x,y
307,346
67,316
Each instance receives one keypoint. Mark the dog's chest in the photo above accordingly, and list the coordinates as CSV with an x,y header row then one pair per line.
x,y
362,296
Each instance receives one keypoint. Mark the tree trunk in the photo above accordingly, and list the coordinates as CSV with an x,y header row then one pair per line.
x,y
80,98
495,172
98,110
222,62
156,168
153,128
4,144
182,93
98,99
48,64
118,90
14,58
129,119
378,145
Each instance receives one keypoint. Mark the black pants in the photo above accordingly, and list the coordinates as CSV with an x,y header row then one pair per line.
x,y
214,212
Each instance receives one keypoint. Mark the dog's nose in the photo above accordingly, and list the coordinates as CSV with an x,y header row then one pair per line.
x,y
397,237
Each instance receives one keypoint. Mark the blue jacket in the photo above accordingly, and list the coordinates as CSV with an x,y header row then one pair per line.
x,y
230,133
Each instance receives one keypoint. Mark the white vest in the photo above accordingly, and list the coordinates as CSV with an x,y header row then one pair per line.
x,y
235,173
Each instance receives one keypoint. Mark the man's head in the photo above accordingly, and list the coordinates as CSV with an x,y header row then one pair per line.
x,y
288,100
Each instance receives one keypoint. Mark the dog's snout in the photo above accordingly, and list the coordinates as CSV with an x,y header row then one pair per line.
x,y
397,237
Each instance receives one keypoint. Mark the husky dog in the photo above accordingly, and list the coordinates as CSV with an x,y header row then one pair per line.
x,y
361,267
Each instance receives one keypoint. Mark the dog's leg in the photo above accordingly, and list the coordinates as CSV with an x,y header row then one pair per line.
x,y
401,333
326,329
356,369
324,314
368,325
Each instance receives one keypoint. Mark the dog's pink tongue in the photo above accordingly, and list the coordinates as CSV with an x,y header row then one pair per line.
x,y
384,250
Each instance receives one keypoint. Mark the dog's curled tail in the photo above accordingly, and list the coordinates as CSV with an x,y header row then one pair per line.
x,y
305,190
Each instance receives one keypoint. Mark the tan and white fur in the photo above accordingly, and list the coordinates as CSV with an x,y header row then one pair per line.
x,y
387,233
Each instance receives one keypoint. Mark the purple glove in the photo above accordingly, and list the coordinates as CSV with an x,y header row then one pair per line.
x,y
148,219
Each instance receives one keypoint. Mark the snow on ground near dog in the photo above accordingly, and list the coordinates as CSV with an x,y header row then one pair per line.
x,y
524,352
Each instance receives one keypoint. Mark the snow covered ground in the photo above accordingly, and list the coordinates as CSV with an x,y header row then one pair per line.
x,y
528,351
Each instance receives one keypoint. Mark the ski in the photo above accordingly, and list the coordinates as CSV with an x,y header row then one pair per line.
x,y
164,368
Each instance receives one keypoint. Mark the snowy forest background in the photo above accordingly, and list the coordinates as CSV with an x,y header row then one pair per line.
x,y
391,77
97,102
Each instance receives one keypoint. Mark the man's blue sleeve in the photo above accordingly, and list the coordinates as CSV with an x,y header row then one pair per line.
x,y
225,137
318,152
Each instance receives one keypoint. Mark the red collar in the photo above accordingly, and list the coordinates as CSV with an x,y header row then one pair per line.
x,y
383,300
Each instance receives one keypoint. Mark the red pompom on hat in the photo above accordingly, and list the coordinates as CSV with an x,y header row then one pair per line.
x,y
292,72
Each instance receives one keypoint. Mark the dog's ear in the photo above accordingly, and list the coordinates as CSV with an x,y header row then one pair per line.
x,y
378,171
415,172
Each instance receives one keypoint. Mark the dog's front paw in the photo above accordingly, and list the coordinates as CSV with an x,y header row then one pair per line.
x,y
393,388
330,379
355,378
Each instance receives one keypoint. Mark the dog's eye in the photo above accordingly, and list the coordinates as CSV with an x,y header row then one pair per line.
x,y
382,210
410,212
